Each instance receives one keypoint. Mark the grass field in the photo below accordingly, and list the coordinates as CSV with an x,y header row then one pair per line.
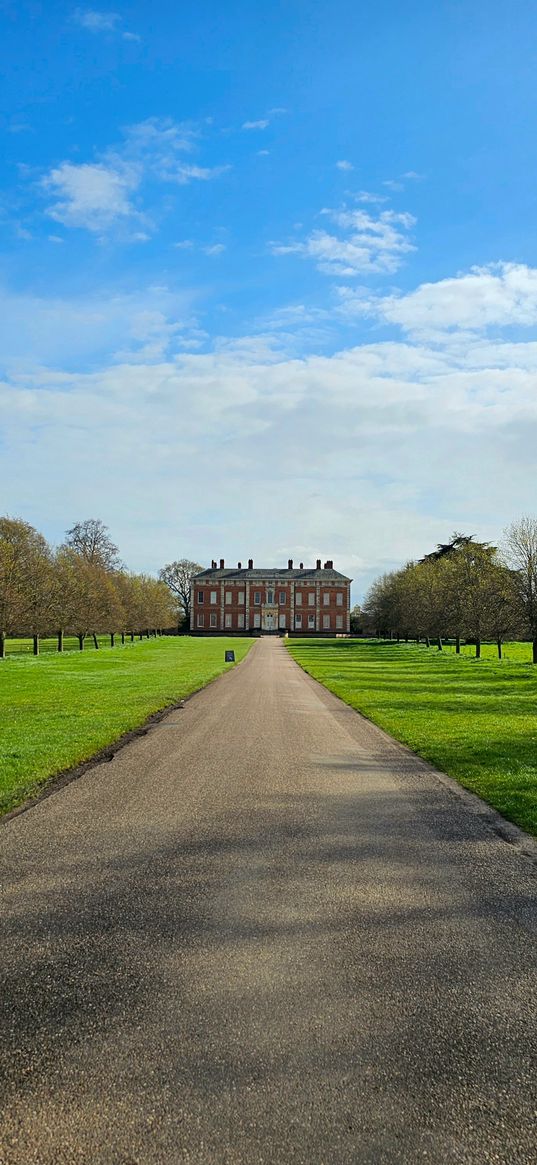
x,y
57,710
50,646
474,719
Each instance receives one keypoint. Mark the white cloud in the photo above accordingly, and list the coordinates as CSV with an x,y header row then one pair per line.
x,y
93,196
187,173
214,249
364,245
500,295
261,124
344,165
97,195
346,436
96,21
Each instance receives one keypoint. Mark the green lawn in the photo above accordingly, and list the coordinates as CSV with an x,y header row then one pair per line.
x,y
474,719
57,710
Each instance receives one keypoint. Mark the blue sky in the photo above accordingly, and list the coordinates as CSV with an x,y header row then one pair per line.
x,y
268,275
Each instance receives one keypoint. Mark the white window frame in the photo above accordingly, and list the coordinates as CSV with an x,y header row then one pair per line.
x,y
298,622
326,622
213,619
298,599
242,599
257,619
311,599
326,598
282,622
240,620
229,598
270,596
339,599
201,620
282,598
311,622
228,619
213,598
201,596
257,598
339,622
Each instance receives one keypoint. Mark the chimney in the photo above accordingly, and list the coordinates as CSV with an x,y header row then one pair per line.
x,y
290,564
221,564
302,566
250,564
318,564
239,565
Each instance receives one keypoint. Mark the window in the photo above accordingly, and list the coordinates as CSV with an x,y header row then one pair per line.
x,y
298,621
326,622
339,599
200,596
214,598
311,622
270,596
212,619
228,620
282,598
241,599
257,598
298,599
326,598
282,622
339,622
229,598
240,620
257,619
200,620
311,599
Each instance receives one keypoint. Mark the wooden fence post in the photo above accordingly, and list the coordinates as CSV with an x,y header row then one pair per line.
x,y
60,640
2,645
35,639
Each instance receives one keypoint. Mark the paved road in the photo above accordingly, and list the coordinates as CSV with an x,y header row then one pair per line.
x,y
265,933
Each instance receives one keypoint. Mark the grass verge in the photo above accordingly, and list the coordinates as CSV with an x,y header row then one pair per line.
x,y
474,719
58,710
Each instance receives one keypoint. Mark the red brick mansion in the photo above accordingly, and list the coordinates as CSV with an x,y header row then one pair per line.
x,y
267,601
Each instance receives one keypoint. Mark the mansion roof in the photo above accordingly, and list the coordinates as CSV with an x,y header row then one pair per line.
x,y
272,574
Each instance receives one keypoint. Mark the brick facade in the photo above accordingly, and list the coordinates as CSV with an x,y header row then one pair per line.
x,y
246,601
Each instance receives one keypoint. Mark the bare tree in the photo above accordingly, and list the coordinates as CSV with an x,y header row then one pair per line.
x,y
90,540
520,549
178,577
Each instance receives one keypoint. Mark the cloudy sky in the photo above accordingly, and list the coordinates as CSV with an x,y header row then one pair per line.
x,y
268,275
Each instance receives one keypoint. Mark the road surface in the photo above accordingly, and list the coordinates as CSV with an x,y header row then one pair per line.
x,y
264,932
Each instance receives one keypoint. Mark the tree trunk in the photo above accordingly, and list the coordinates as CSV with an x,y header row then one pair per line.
x,y
112,639
458,645
35,639
440,644
60,639
147,633
2,645
406,637
122,638
141,635
478,648
418,639
534,651
427,641
132,636
81,642
96,641
499,643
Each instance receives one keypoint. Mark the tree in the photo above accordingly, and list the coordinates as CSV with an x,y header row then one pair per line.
x,y
26,590
178,577
520,549
356,621
90,540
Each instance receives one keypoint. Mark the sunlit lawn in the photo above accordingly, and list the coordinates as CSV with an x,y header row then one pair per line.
x,y
474,719
57,710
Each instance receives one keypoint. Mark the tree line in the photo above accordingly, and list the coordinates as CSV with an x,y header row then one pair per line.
x,y
80,588
464,590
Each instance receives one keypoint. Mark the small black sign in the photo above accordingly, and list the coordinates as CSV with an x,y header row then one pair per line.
x,y
230,657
